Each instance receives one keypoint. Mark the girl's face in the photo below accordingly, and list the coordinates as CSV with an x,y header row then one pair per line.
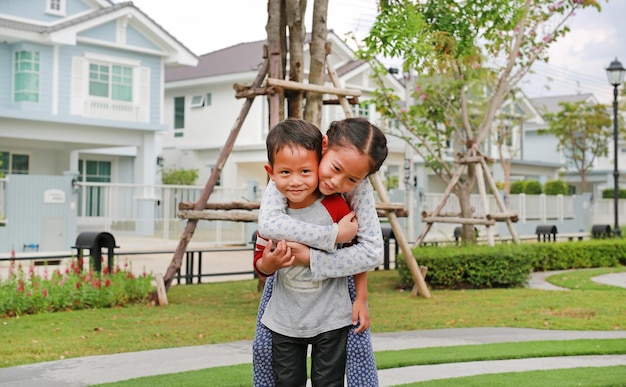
x,y
341,169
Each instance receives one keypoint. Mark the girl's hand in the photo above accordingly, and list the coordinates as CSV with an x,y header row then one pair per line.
x,y
302,253
277,259
348,227
360,314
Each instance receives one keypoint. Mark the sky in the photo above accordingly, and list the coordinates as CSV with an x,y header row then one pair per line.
x,y
577,62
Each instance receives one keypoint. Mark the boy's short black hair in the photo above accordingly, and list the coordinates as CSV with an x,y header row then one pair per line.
x,y
292,133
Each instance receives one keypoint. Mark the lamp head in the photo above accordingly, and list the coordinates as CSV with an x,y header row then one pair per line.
x,y
615,73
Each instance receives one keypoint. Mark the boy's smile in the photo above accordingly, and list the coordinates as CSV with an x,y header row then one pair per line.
x,y
295,175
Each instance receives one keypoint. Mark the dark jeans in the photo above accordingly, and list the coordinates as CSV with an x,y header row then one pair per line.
x,y
328,359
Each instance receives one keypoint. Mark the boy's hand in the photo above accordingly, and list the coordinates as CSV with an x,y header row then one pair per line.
x,y
360,314
301,252
274,260
348,227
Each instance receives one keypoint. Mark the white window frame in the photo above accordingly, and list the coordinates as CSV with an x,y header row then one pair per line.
x,y
32,72
111,84
55,7
9,169
196,101
202,100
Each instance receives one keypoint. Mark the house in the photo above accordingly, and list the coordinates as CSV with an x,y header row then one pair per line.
x,y
201,109
81,102
600,176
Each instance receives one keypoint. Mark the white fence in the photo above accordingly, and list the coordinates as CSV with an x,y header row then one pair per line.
x,y
132,209
528,207
3,183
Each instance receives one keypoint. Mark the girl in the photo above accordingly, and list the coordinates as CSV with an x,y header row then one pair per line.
x,y
352,150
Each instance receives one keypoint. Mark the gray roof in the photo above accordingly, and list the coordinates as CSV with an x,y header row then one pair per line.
x,y
240,58
47,29
551,104
92,15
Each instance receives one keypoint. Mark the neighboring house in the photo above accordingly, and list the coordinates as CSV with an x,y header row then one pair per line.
x,y
201,109
544,148
82,101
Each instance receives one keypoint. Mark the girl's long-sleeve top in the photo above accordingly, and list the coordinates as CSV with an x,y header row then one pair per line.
x,y
326,260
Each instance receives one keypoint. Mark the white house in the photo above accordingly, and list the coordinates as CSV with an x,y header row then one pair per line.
x,y
201,109
82,101
544,147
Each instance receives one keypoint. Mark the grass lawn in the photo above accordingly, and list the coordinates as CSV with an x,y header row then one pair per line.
x,y
223,312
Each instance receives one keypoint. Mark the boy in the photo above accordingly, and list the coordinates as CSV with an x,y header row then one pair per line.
x,y
301,311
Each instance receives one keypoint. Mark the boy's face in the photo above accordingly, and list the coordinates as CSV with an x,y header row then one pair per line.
x,y
295,175
341,169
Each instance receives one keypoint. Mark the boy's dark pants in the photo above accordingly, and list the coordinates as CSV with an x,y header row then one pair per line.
x,y
328,359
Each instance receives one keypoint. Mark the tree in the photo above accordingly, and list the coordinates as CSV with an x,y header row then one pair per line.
x,y
468,57
582,131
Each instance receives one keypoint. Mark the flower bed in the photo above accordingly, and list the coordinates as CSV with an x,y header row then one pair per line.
x,y
28,292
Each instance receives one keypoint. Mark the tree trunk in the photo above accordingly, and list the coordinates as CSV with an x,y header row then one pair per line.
x,y
276,46
313,108
295,10
463,195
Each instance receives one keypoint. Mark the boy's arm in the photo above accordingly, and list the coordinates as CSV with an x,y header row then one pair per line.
x,y
259,247
268,258
274,223
360,312
366,254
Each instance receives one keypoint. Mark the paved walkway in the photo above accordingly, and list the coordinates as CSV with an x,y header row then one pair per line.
x,y
90,370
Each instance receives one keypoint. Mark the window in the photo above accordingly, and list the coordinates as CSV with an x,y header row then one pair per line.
x,y
111,81
56,7
91,202
361,110
14,163
200,100
26,76
179,116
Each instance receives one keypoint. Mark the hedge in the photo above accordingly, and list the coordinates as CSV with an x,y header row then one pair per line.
x,y
507,265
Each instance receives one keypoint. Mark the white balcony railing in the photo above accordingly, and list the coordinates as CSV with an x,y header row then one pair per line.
x,y
111,110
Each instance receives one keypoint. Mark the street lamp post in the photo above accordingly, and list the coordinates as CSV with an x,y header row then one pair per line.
x,y
615,73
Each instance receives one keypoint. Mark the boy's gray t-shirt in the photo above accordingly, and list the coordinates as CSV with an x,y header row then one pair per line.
x,y
300,307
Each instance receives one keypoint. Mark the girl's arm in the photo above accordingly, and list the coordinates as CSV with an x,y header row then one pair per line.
x,y
360,313
367,253
274,223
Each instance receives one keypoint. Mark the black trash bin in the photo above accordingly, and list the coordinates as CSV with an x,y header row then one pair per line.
x,y
94,241
546,231
600,231
457,233
387,236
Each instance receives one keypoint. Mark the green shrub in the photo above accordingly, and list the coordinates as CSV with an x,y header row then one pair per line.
x,y
555,187
517,187
609,192
179,176
532,187
508,265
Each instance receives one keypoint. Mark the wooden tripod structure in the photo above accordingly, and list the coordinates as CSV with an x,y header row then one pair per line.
x,y
472,156
273,88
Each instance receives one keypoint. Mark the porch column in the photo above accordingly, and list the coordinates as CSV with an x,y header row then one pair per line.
x,y
145,175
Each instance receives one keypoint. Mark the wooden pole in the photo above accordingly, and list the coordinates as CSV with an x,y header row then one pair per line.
x,y
190,227
420,285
